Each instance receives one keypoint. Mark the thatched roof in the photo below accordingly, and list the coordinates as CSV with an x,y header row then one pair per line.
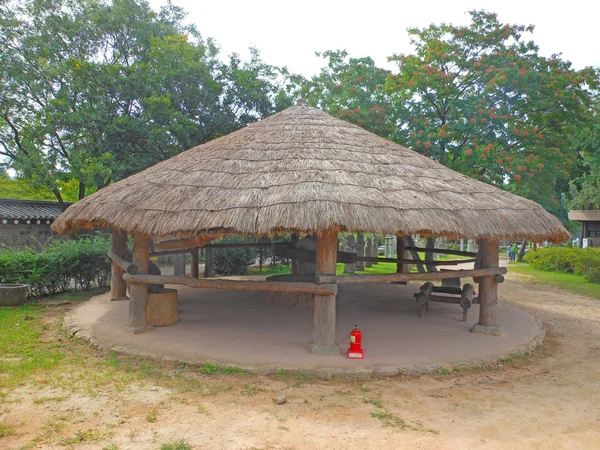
x,y
304,170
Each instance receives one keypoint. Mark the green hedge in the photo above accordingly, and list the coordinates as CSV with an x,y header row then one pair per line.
x,y
61,266
233,261
579,261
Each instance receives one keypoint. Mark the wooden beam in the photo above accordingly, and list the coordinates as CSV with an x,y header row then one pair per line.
x,y
241,245
488,289
251,245
118,287
304,277
194,263
452,262
313,288
323,337
410,246
349,258
422,276
179,244
442,251
125,265
138,293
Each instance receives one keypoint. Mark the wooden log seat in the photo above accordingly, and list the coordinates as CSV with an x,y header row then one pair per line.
x,y
449,286
423,297
296,299
161,307
426,295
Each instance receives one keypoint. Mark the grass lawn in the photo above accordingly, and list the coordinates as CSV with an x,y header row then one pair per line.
x,y
574,283
377,269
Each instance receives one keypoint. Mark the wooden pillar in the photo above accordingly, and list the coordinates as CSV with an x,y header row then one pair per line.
x,y
401,254
323,340
179,265
195,262
208,263
295,262
488,289
138,293
118,287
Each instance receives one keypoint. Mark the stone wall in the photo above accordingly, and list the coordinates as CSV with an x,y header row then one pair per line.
x,y
23,234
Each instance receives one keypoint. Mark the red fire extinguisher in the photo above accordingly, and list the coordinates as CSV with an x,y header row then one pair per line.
x,y
355,351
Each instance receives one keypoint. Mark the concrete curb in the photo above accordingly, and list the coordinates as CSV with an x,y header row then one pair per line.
x,y
526,348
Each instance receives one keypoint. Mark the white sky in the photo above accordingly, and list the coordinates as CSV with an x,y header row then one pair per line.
x,y
288,33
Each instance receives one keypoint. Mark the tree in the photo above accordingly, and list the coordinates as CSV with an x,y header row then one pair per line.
x,y
585,186
23,190
96,91
481,100
350,89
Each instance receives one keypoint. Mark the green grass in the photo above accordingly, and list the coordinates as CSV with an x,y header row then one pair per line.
x,y
381,268
22,356
176,445
573,283
267,270
216,369
6,430
377,269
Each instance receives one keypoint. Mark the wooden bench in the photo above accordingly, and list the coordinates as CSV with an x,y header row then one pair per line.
x,y
465,299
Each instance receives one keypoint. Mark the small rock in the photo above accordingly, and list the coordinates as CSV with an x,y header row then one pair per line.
x,y
280,400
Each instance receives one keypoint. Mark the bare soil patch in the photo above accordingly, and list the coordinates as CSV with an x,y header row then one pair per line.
x,y
548,400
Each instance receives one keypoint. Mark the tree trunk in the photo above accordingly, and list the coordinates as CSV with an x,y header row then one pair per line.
x,y
81,190
59,197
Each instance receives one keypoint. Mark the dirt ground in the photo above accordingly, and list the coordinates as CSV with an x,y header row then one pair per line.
x,y
549,400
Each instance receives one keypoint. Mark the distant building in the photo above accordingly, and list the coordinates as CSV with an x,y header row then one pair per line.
x,y
590,226
27,222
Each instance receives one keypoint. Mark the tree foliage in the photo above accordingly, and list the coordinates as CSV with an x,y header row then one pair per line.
x,y
350,89
96,91
22,189
481,100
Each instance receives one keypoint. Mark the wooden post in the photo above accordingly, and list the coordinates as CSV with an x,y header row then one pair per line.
x,y
400,253
195,262
118,287
295,263
138,293
488,289
323,340
208,263
179,265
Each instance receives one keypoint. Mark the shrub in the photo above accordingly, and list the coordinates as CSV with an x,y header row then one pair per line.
x,y
233,261
60,266
578,261
593,275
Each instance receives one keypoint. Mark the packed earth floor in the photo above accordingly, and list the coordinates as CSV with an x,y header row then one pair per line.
x,y
90,400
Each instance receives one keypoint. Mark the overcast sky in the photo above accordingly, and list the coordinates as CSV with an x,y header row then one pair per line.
x,y
288,33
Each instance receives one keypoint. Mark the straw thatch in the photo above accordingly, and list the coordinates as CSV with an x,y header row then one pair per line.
x,y
304,170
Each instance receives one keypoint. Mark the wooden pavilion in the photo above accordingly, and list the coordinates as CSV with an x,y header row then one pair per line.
x,y
302,170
